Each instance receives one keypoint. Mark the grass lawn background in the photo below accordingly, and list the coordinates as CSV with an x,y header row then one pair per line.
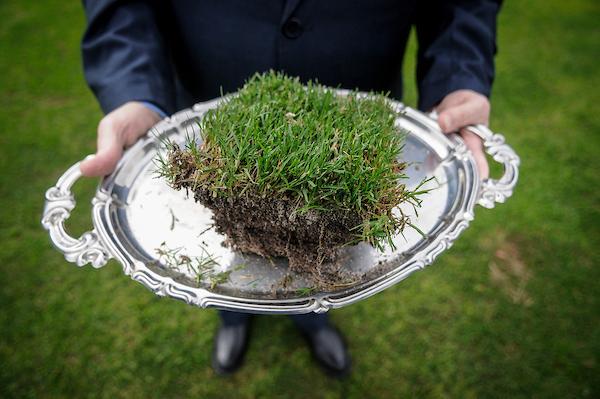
x,y
512,310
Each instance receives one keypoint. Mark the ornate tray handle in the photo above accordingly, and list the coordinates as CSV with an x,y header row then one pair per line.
x,y
497,191
59,204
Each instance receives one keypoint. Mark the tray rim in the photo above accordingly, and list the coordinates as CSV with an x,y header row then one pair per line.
x,y
98,246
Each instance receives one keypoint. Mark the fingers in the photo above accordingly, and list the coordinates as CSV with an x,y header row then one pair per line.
x,y
110,149
462,108
119,129
452,119
475,145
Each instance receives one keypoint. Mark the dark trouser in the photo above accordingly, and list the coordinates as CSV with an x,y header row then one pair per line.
x,y
305,322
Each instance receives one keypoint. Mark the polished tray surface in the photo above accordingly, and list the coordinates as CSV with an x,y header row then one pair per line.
x,y
144,224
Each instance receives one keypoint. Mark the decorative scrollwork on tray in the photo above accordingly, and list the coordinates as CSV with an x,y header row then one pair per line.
x,y
59,204
163,287
497,191
320,304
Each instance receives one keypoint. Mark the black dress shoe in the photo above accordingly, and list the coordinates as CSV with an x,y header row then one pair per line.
x,y
229,347
329,349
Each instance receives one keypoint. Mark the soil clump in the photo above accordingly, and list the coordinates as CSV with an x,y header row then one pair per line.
x,y
272,226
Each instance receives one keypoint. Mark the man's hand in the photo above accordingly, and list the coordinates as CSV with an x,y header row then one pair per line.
x,y
459,109
117,131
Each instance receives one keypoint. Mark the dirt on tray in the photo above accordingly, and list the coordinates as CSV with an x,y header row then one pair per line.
x,y
272,226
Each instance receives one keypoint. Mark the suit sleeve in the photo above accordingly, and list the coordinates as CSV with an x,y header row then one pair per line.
x,y
124,54
457,44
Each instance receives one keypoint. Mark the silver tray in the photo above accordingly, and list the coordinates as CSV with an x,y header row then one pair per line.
x,y
136,215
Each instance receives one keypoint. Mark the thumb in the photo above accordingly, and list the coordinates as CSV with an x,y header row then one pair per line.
x,y
110,149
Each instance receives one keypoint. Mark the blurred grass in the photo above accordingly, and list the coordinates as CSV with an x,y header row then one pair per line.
x,y
511,310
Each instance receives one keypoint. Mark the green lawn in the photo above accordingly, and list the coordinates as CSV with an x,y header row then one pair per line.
x,y
512,310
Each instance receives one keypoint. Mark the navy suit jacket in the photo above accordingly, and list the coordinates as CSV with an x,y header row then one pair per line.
x,y
175,53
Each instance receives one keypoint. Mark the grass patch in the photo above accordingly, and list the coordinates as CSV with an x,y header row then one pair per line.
x,y
306,144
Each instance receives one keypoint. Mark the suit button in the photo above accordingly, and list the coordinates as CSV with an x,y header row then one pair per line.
x,y
292,28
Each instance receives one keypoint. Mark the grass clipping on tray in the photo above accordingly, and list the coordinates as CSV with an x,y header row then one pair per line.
x,y
306,149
